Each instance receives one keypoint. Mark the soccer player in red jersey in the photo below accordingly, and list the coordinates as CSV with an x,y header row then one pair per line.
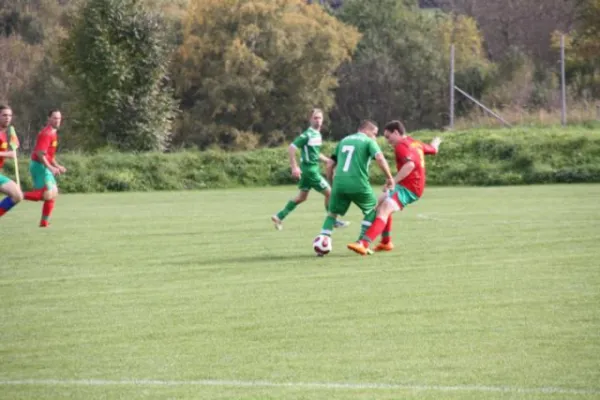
x,y
410,184
7,186
43,167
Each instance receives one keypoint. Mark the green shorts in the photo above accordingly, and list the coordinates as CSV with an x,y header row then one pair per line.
x,y
339,202
402,197
4,180
42,177
312,179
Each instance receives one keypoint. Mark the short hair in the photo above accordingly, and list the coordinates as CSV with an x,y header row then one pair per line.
x,y
315,111
367,124
395,125
4,107
52,112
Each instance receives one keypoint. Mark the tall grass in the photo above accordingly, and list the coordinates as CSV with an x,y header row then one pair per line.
x,y
577,114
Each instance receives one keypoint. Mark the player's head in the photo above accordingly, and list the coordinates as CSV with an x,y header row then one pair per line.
x,y
369,128
316,118
54,118
5,116
394,131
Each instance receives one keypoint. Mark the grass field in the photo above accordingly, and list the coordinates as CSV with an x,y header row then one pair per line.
x,y
492,293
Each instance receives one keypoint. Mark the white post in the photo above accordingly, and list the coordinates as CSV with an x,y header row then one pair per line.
x,y
563,85
452,87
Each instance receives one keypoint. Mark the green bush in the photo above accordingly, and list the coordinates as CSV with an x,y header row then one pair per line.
x,y
479,157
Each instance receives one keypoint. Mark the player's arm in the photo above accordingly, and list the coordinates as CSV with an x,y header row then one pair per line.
x,y
300,141
432,148
41,147
404,158
8,154
292,156
56,165
385,168
330,169
376,153
42,157
324,158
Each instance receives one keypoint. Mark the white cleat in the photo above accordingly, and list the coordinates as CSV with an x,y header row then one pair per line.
x,y
341,224
277,222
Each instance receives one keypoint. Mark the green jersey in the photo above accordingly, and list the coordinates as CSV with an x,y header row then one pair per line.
x,y
309,143
353,155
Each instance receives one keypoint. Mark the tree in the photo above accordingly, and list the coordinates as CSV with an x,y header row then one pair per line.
x,y
472,68
257,65
401,67
523,24
583,50
117,58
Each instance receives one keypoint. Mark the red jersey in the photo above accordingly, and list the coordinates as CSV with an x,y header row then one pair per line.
x,y
3,145
409,149
47,142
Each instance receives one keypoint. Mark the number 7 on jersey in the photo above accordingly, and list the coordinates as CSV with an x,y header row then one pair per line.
x,y
350,151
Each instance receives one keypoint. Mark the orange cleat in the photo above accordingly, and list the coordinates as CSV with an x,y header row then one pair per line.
x,y
359,248
384,247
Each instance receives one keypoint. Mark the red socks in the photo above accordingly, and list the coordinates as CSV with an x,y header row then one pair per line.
x,y
34,195
46,212
385,235
374,230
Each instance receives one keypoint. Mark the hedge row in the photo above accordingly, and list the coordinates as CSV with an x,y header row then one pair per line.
x,y
484,157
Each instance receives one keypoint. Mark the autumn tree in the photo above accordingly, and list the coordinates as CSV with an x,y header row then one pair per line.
x,y
583,50
523,24
257,66
401,67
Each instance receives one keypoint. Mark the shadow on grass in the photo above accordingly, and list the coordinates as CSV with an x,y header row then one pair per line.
x,y
286,260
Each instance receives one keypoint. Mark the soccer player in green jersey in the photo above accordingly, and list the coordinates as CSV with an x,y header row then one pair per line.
x,y
308,174
351,160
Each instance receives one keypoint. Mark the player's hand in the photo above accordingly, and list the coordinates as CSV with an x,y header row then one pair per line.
x,y
436,142
390,184
11,154
62,169
54,170
296,173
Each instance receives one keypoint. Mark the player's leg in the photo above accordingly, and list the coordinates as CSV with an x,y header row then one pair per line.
x,y
45,189
304,186
386,237
338,205
396,201
39,182
13,194
403,197
321,186
50,196
385,209
367,202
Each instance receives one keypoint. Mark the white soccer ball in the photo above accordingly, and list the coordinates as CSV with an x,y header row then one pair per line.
x,y
322,245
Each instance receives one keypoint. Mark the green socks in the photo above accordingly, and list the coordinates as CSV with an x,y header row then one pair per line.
x,y
289,207
366,223
328,225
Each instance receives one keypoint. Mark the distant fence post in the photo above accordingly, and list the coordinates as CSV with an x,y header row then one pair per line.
x,y
452,87
563,85
474,100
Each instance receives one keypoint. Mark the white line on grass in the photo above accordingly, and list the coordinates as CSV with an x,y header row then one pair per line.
x,y
297,385
454,221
